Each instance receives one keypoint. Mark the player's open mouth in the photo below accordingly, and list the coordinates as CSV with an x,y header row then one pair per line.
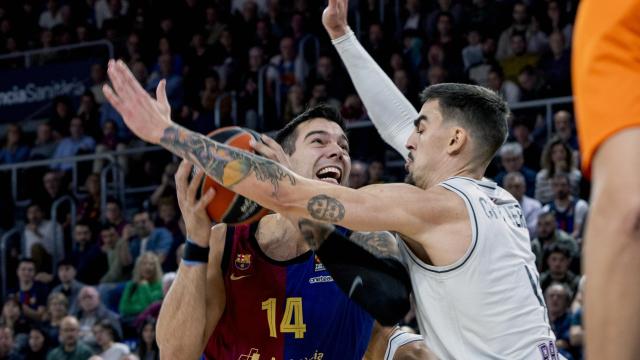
x,y
330,174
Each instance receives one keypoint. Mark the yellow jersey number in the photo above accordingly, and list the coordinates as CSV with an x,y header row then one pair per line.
x,y
292,321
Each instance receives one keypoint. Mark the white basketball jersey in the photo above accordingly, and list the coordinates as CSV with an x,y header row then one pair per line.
x,y
488,304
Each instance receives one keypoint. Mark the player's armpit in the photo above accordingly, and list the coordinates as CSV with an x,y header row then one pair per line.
x,y
379,283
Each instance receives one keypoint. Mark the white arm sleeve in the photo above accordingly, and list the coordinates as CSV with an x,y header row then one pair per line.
x,y
391,113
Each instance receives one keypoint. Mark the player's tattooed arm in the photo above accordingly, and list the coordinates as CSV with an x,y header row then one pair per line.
x,y
315,232
378,243
226,164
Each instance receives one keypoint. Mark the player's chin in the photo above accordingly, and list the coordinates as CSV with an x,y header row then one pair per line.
x,y
409,179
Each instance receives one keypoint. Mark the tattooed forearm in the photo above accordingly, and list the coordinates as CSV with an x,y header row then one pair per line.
x,y
226,164
379,243
325,208
314,233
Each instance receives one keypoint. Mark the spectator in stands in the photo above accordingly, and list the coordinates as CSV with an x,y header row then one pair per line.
x,y
479,73
376,44
115,248
69,286
38,345
31,294
290,68
91,311
530,149
326,73
472,53
109,9
51,16
558,298
515,183
13,150
167,184
152,311
89,208
147,345
449,6
415,18
107,339
13,317
549,234
509,91
436,75
448,39
8,349
557,21
110,141
376,172
173,80
564,128
87,256
294,104
40,237
52,190
57,309
264,39
570,211
197,61
558,258
44,145
532,86
352,109
71,348
148,238
98,79
72,145
512,160
320,95
168,216
144,288
556,158
89,112
521,24
113,216
512,65
359,174
556,65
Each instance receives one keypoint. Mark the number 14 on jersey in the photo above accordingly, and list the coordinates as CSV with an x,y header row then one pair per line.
x,y
292,321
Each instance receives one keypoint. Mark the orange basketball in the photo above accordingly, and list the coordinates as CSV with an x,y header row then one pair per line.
x,y
227,206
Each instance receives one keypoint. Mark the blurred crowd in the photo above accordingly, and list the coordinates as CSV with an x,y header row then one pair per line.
x,y
118,259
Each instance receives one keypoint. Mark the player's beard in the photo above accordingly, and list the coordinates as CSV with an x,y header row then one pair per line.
x,y
409,179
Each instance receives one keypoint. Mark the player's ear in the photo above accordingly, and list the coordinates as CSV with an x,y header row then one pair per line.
x,y
457,139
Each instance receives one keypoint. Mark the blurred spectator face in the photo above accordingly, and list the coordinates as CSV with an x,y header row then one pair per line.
x,y
36,340
46,38
561,187
140,72
556,43
166,212
287,49
148,268
444,25
324,67
521,133
66,274
109,237
26,272
413,6
57,307
211,15
558,263
546,227
494,81
559,156
109,128
515,185
473,37
444,4
319,92
352,108
75,128
297,23
52,6
396,61
163,46
164,62
262,30
256,57
553,11
512,162
562,122
103,337
43,133
11,310
11,45
51,182
435,55
376,169
13,135
249,10
87,103
113,212
115,6
69,332
358,176
295,95
34,214
436,75
89,299
518,44
488,48
97,74
376,36
6,341
527,80
557,299
82,234
519,14
142,224
148,334
166,24
226,39
62,109
401,79
93,184
197,41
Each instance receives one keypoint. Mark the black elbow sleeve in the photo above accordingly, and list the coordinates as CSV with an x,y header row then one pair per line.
x,y
381,286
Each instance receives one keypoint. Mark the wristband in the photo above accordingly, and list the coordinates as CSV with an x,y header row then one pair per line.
x,y
194,253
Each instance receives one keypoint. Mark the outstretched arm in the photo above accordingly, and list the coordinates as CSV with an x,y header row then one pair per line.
x,y
395,207
391,113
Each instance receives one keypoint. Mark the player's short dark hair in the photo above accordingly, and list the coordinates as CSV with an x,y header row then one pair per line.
x,y
286,136
479,110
